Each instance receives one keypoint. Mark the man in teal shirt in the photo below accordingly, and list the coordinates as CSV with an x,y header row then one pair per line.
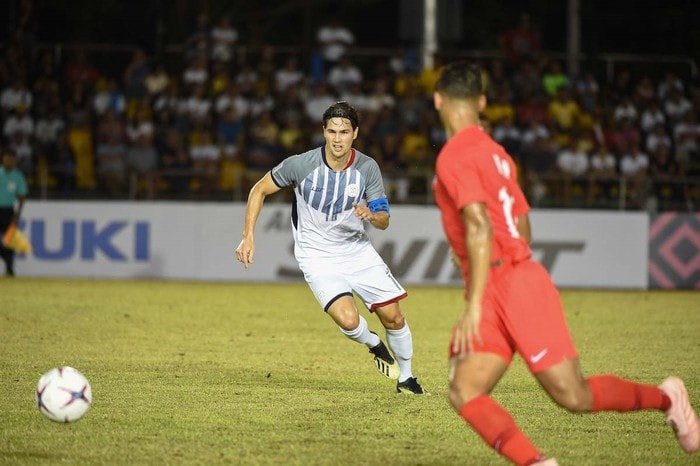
x,y
13,192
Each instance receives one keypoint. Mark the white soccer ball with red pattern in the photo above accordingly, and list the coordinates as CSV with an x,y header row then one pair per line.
x,y
63,394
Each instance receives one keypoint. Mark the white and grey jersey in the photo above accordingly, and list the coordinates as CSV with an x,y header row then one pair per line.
x,y
323,219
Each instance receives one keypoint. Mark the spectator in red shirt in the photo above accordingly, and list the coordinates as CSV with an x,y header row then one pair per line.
x,y
521,42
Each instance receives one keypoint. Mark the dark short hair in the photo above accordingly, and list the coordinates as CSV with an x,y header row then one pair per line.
x,y
460,80
342,109
9,151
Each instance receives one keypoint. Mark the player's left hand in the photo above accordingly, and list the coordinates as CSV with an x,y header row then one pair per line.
x,y
362,212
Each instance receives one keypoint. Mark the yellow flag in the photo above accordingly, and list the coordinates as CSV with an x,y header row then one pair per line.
x,y
15,239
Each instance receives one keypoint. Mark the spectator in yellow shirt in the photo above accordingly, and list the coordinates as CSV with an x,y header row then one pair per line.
x,y
563,112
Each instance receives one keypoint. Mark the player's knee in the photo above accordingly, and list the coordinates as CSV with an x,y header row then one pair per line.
x,y
461,392
347,321
391,318
573,398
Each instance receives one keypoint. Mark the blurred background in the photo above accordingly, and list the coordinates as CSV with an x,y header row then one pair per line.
x,y
598,102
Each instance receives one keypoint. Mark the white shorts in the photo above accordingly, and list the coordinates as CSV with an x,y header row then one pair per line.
x,y
365,274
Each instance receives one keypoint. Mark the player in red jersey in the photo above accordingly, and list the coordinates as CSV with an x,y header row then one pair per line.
x,y
512,304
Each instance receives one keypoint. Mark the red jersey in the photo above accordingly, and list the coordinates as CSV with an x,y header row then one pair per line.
x,y
472,167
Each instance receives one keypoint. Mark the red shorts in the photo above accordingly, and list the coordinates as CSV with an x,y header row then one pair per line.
x,y
522,312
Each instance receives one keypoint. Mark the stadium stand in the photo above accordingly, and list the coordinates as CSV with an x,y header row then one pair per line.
x,y
205,122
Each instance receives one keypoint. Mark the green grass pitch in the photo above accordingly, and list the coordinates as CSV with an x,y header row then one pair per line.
x,y
256,374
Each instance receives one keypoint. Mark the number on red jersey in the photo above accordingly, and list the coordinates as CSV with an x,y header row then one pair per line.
x,y
507,200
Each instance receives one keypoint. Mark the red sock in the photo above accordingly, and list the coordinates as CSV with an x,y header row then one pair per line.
x,y
611,393
496,426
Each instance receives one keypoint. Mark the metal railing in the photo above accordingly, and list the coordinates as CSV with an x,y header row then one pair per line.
x,y
616,192
663,193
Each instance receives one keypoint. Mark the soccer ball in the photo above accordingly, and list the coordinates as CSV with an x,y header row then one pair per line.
x,y
63,394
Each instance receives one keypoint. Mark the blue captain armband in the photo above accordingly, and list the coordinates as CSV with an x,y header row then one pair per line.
x,y
379,205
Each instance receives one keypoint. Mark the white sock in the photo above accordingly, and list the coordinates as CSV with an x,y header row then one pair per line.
x,y
401,343
362,334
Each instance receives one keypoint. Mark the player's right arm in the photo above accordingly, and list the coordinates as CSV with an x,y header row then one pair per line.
x,y
263,188
523,224
479,239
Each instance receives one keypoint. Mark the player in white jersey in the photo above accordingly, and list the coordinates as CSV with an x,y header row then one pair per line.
x,y
337,189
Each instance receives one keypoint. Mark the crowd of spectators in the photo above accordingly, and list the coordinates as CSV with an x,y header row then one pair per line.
x,y
217,121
